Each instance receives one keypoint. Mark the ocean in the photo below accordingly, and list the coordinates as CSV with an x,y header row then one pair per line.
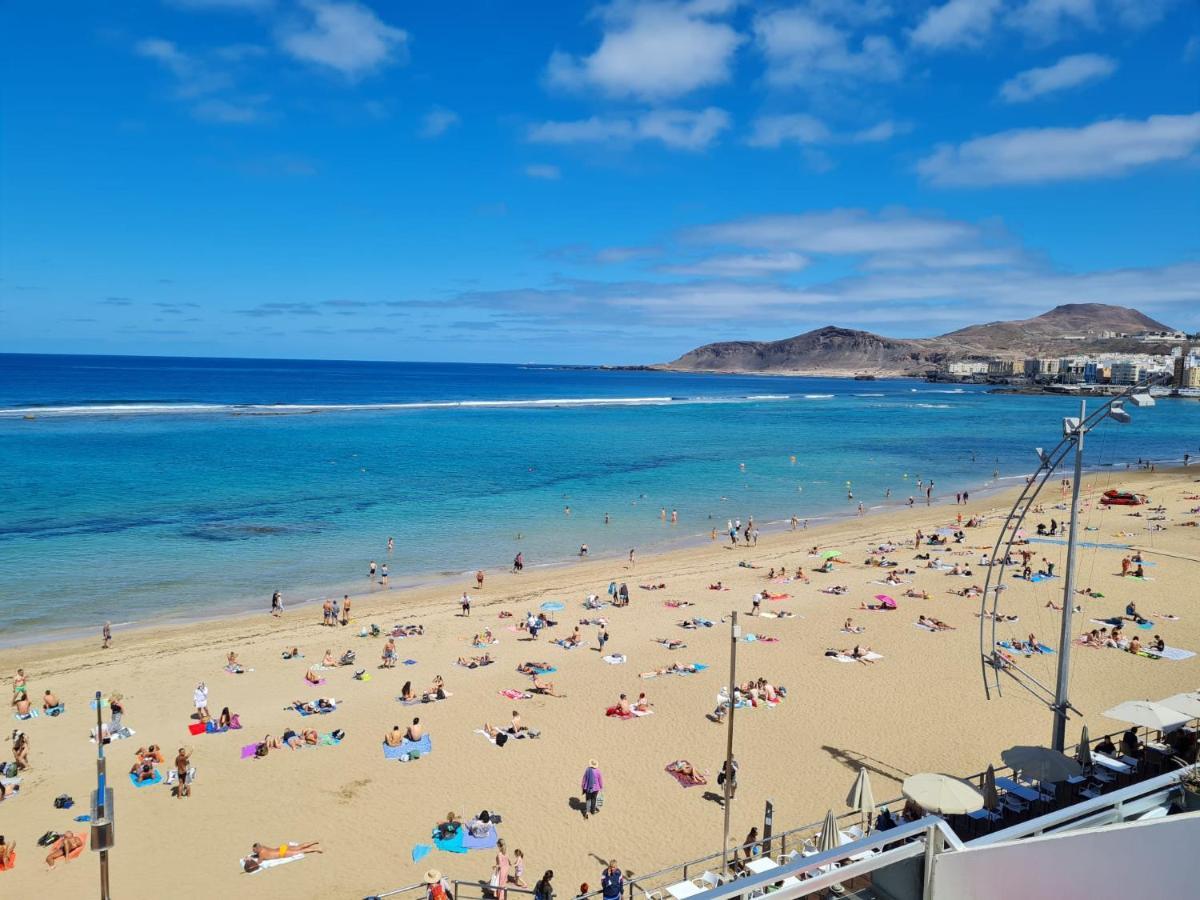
x,y
137,489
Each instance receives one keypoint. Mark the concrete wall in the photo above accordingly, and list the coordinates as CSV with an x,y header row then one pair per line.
x,y
1153,858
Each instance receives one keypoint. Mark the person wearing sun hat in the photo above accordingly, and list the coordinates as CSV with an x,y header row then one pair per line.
x,y
436,887
591,786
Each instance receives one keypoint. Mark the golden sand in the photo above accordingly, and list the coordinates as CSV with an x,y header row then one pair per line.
x,y
921,708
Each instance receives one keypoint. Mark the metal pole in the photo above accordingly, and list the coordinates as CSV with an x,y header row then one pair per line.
x,y
734,633
101,786
1061,701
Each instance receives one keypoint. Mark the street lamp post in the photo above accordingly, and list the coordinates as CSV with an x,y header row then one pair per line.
x,y
735,633
102,805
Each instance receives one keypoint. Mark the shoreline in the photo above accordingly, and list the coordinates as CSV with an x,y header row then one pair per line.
x,y
224,609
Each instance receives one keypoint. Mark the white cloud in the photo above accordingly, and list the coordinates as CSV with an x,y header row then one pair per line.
x,y
347,37
965,258
840,232
544,171
956,24
1109,148
799,128
679,129
438,121
1046,20
1068,72
804,51
194,78
652,51
806,130
226,112
748,265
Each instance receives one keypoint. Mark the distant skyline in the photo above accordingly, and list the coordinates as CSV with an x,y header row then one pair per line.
x,y
586,183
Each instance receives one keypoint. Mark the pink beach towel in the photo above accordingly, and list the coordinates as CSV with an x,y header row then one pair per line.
x,y
683,780
248,751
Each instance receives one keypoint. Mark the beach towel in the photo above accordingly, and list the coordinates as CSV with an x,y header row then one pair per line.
x,y
420,851
1043,647
566,644
56,710
328,740
514,694
196,728
923,626
614,712
683,780
481,842
121,735
615,659
269,863
1172,653
545,671
850,659
452,844
319,712
32,714
778,597
424,747
157,779
248,750
313,684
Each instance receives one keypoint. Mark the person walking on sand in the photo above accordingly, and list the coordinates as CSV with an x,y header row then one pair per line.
x,y
345,609
277,604
612,883
500,869
632,557
518,563
106,634
591,786
466,604
182,761
602,638
479,580
544,889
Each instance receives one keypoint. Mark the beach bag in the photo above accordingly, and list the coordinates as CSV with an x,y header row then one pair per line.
x,y
599,799
9,770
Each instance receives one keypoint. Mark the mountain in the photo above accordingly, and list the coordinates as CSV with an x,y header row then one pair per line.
x,y
1070,328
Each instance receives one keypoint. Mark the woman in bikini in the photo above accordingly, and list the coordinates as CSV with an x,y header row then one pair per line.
x,y
64,847
688,771
285,851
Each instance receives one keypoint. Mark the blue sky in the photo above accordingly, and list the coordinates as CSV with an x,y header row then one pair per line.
x,y
563,182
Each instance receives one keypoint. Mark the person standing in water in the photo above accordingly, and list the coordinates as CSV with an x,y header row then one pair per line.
x,y
371,570
383,574
277,604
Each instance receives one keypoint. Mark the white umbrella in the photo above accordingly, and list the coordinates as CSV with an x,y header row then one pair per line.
x,y
1188,704
861,797
1083,753
938,793
1040,763
829,838
1147,714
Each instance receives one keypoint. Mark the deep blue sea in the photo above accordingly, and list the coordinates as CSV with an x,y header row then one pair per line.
x,y
137,488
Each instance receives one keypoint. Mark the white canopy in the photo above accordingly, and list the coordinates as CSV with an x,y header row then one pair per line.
x,y
1147,714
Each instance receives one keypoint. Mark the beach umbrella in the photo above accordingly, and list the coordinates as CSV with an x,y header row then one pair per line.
x,y
829,838
1083,753
1147,714
1188,704
861,797
991,799
553,606
831,554
1040,763
937,793
887,601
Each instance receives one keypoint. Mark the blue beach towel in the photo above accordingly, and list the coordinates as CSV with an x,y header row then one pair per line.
x,y
546,671
424,746
157,779
451,844
1007,646
56,710
420,851
410,662
470,842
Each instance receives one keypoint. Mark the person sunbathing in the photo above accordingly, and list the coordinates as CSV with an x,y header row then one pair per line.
x,y
232,664
836,589
576,638
294,653
893,578
437,690
672,669
532,668
307,709
671,643
498,736
800,576
142,770
406,692
688,771
283,851
1158,645
918,595
474,662
312,677
8,849
415,731
642,704
292,739
653,587
515,726
623,707
860,653
544,687
50,702
851,628
329,660
67,844
716,587
1135,645
395,737
267,744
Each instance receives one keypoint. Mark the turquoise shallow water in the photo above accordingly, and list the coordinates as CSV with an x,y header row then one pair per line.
x,y
145,488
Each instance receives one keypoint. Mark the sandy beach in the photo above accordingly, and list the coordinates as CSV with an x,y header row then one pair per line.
x,y
919,708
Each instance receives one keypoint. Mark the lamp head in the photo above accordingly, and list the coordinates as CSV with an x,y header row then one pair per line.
x,y
1141,400
1118,413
